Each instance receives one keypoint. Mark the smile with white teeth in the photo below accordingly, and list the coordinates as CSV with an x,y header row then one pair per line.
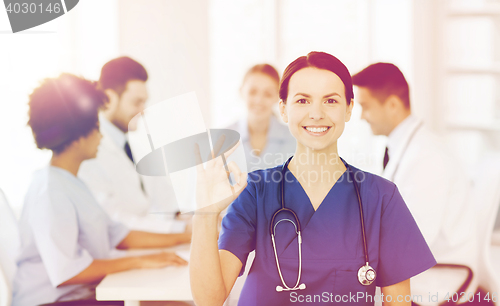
x,y
316,129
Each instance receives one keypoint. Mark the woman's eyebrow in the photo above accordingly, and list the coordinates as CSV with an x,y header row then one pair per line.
x,y
302,94
332,94
326,96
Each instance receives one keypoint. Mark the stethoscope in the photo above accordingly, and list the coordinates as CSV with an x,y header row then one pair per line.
x,y
366,274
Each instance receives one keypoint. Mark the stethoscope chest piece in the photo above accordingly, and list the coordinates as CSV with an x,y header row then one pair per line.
x,y
366,275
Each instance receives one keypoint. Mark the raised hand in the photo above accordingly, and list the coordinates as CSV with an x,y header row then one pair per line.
x,y
214,193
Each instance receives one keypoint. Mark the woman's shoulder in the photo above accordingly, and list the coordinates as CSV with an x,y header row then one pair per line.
x,y
371,181
263,176
48,193
46,181
363,177
234,126
378,193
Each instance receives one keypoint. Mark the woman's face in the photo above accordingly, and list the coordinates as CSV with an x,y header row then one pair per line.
x,y
260,93
316,110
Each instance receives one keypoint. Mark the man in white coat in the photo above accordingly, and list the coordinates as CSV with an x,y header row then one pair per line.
x,y
125,195
430,179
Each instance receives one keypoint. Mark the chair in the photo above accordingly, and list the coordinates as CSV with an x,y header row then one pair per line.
x,y
486,195
485,198
9,246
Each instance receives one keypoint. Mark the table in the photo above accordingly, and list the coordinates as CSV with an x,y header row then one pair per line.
x,y
166,284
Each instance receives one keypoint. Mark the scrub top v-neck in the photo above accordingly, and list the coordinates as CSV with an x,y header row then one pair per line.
x,y
332,250
294,183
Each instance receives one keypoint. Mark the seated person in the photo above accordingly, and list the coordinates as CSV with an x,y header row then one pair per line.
x,y
140,202
66,237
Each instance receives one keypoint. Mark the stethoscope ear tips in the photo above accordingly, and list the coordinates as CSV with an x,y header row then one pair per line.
x,y
279,288
302,286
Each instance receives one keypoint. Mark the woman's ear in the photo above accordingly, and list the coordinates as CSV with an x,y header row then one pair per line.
x,y
349,111
282,107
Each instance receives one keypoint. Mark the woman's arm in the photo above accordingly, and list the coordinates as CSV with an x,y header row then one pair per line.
x,y
99,268
398,294
142,240
212,272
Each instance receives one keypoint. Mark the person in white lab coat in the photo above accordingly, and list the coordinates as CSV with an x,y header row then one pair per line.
x,y
430,179
66,237
127,196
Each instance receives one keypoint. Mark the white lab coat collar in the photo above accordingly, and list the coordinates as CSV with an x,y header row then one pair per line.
x,y
396,137
397,141
109,129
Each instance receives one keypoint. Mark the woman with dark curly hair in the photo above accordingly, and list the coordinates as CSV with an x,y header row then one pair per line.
x,y
66,237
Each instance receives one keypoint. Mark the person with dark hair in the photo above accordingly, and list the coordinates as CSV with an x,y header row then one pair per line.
x,y
431,180
66,237
384,83
127,196
266,141
323,231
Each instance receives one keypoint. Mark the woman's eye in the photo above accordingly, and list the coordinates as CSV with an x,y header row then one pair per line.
x,y
302,101
331,101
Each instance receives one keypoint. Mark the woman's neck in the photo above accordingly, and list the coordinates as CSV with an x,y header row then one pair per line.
x,y
258,126
67,161
317,166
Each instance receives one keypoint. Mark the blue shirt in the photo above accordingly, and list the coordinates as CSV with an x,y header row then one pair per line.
x,y
62,230
332,250
279,146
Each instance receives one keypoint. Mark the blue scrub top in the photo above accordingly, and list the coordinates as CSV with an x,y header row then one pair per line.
x,y
332,249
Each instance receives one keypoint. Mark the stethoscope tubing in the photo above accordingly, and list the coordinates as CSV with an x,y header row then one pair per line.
x,y
283,208
272,229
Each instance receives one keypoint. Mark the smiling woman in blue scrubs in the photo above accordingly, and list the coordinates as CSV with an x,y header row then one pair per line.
x,y
316,101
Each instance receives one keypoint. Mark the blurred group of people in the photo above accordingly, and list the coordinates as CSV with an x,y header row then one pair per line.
x,y
90,200
430,178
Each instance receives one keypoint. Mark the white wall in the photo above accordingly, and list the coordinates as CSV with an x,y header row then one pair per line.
x,y
455,92
242,33
170,38
358,32
207,45
79,42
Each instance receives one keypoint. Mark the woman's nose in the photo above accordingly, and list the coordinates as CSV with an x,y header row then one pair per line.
x,y
259,99
316,111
